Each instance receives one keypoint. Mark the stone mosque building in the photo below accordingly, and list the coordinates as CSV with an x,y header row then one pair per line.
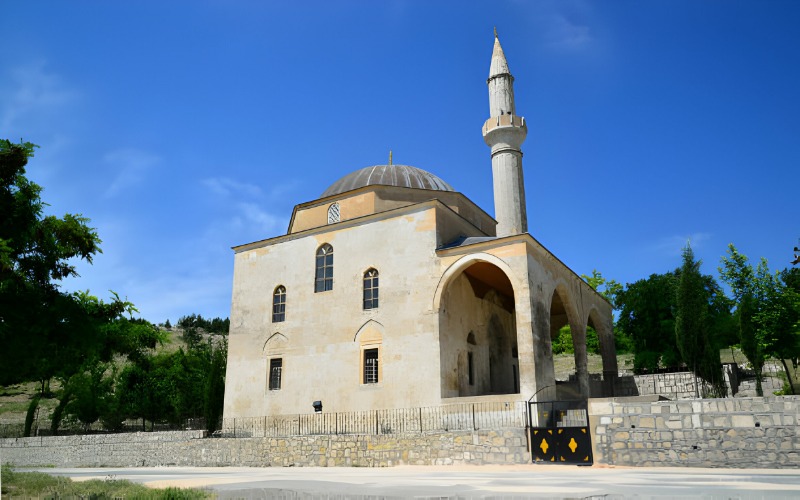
x,y
393,290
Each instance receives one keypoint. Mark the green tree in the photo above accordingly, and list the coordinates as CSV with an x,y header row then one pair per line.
x,y
694,333
90,390
646,316
610,288
215,386
36,251
750,289
691,313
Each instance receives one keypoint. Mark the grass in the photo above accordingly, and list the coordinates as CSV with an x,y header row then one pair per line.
x,y
40,485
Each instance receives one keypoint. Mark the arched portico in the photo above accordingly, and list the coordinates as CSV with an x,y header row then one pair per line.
x,y
486,344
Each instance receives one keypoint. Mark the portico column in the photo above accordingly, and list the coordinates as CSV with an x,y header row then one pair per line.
x,y
581,361
544,370
608,351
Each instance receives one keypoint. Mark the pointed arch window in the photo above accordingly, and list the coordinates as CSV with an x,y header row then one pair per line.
x,y
323,278
371,289
333,213
279,304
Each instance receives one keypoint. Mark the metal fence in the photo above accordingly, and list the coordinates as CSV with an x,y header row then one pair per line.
x,y
42,427
451,417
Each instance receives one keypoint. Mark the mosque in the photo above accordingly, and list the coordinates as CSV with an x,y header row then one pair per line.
x,y
392,290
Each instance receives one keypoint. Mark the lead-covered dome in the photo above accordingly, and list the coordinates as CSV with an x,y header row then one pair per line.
x,y
388,175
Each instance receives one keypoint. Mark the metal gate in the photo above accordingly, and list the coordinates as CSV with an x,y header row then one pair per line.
x,y
560,432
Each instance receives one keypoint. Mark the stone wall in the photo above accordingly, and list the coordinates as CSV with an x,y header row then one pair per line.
x,y
681,385
732,432
191,448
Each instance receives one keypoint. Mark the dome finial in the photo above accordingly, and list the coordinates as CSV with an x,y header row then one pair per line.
x,y
390,157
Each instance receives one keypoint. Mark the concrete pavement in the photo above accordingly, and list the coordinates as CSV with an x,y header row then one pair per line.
x,y
517,481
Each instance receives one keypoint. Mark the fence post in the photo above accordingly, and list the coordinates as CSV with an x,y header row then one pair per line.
x,y
474,428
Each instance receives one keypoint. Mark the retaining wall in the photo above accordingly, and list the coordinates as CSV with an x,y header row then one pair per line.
x,y
731,432
191,448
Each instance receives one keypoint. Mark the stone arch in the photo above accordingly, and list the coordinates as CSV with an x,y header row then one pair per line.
x,y
463,263
476,302
275,344
370,331
573,380
566,312
369,343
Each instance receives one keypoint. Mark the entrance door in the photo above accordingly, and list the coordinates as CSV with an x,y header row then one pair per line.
x,y
560,432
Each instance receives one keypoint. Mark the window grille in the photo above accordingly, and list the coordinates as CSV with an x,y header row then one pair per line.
x,y
275,369
333,214
371,366
279,305
371,289
323,279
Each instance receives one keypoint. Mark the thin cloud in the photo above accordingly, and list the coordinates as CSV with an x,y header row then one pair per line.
x,y
225,186
258,219
29,92
131,166
564,33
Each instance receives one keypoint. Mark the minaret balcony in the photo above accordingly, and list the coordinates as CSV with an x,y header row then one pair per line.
x,y
505,131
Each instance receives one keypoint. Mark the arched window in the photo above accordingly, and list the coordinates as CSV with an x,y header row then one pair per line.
x,y
323,279
333,213
279,304
371,289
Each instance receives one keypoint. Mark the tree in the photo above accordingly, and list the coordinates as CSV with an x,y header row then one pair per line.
x,y
646,316
749,289
611,288
691,312
693,326
36,251
767,309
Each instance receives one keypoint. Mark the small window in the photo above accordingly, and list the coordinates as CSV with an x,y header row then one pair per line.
x,y
333,214
470,368
279,305
371,289
371,366
275,369
323,279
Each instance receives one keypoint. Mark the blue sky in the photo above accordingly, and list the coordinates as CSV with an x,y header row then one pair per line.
x,y
184,128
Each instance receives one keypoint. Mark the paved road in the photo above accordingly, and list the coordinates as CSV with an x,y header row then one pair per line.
x,y
521,481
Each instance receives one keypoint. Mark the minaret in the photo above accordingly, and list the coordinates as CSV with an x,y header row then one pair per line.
x,y
505,132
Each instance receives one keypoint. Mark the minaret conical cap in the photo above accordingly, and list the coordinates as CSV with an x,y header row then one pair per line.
x,y
499,64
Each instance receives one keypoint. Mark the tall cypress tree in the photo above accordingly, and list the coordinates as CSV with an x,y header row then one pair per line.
x,y
691,314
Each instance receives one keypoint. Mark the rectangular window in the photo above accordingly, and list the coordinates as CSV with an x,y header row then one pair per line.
x,y
279,305
371,289
275,368
470,368
323,279
371,366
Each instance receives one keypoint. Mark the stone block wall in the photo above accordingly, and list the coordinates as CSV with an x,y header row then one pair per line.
x,y
732,432
681,385
191,448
